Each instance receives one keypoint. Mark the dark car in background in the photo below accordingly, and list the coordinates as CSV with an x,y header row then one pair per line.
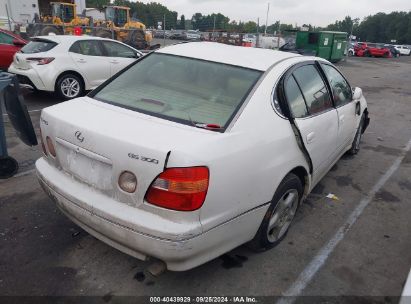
x,y
10,44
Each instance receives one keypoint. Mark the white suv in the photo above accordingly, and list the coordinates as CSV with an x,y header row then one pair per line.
x,y
70,65
404,50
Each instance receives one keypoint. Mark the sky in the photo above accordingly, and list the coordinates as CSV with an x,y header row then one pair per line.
x,y
315,12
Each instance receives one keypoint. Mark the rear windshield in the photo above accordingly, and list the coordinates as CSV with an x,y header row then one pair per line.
x,y
181,89
38,46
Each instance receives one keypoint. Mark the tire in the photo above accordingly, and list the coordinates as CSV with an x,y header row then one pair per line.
x,y
104,34
279,216
45,31
69,86
355,147
8,167
136,38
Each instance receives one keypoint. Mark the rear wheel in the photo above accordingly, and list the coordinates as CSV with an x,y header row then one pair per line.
x,y
104,34
280,214
69,86
45,31
136,38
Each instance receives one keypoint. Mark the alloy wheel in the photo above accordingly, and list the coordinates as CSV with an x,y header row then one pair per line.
x,y
70,87
282,215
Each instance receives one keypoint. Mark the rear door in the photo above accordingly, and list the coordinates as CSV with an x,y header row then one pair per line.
x,y
312,112
88,56
348,109
118,55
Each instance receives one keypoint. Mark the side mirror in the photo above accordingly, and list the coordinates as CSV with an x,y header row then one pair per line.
x,y
17,42
357,94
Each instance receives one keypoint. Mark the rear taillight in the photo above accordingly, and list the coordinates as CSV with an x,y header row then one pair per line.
x,y
40,60
50,146
42,144
182,189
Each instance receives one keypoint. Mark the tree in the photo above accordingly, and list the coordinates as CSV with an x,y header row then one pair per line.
x,y
182,22
97,3
250,27
380,27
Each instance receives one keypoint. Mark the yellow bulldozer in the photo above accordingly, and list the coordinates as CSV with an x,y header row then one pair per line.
x,y
62,20
119,25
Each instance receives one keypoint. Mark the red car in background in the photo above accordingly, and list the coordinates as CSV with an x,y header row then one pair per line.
x,y
363,49
10,43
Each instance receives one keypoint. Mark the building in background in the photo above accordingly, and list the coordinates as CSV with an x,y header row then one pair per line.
x,y
19,11
23,11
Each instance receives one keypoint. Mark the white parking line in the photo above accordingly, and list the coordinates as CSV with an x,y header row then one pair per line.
x,y
25,173
319,260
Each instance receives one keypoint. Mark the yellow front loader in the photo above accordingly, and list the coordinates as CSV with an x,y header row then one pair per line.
x,y
120,26
61,20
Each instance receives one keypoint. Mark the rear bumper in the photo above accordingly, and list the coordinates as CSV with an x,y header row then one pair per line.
x,y
29,77
179,255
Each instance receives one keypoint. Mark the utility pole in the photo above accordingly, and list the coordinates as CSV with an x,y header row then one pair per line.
x,y
8,18
266,20
258,33
355,20
164,27
214,26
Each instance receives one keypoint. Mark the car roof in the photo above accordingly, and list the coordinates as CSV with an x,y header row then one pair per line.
x,y
247,57
69,38
12,34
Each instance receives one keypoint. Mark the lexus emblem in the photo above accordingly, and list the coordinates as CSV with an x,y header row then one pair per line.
x,y
79,136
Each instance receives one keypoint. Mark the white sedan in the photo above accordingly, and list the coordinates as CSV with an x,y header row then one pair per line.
x,y
198,148
70,65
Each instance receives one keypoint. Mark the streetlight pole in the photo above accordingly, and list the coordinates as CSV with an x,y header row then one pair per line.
x,y
355,20
266,20
164,27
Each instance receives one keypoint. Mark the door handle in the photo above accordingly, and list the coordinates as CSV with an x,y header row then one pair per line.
x,y
81,61
310,137
114,61
342,118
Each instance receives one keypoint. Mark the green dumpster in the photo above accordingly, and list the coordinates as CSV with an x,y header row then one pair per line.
x,y
325,44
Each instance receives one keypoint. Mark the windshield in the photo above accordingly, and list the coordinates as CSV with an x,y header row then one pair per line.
x,y
116,15
110,13
38,46
56,10
181,89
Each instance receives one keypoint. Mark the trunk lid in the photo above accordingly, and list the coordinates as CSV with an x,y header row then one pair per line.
x,y
96,142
